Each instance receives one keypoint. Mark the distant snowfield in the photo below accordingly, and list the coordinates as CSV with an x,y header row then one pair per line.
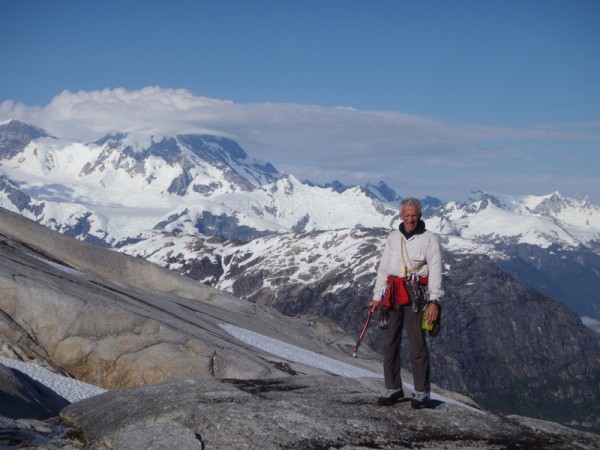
x,y
74,390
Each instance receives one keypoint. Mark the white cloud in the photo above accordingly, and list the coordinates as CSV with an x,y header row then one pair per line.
x,y
306,140
90,115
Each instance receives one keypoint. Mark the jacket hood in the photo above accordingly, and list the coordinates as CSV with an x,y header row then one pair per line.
x,y
419,230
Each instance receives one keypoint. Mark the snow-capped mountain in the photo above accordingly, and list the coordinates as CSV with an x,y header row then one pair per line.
x,y
121,185
536,220
383,192
151,196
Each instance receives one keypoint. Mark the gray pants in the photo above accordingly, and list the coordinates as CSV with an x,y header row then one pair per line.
x,y
400,317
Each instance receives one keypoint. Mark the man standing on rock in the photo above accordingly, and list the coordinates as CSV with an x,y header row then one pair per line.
x,y
408,288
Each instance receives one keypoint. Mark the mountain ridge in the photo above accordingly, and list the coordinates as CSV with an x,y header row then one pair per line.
x,y
196,168
123,189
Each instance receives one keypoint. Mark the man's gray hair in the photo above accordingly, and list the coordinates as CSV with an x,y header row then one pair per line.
x,y
410,202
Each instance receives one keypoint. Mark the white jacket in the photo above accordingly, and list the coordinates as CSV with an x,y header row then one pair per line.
x,y
420,254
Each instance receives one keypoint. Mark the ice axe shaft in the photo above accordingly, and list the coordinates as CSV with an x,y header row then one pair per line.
x,y
362,333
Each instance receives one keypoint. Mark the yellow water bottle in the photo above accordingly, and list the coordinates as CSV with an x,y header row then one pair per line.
x,y
428,326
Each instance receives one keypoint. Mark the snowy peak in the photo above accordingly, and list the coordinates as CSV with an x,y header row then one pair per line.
x,y
127,184
303,207
15,136
535,220
181,166
111,140
122,185
227,155
214,149
382,192
195,156
578,211
482,200
575,211
546,205
336,185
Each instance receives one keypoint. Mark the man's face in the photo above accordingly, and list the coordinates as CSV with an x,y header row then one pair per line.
x,y
410,217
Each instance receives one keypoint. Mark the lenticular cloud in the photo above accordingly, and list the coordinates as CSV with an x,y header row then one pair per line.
x,y
309,141
151,110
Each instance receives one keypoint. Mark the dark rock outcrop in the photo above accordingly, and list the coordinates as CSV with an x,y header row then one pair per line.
x,y
15,136
23,397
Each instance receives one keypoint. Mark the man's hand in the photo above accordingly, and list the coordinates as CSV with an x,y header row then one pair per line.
x,y
432,312
373,305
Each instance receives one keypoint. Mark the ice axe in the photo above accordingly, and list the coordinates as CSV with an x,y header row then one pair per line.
x,y
362,333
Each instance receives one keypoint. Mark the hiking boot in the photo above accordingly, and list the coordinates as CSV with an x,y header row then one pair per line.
x,y
420,400
392,399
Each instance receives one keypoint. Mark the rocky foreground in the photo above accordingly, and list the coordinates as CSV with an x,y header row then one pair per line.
x,y
311,412
177,379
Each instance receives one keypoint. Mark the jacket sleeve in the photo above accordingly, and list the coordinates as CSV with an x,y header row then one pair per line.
x,y
434,261
382,271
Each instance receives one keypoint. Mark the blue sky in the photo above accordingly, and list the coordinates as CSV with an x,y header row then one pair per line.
x,y
433,97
